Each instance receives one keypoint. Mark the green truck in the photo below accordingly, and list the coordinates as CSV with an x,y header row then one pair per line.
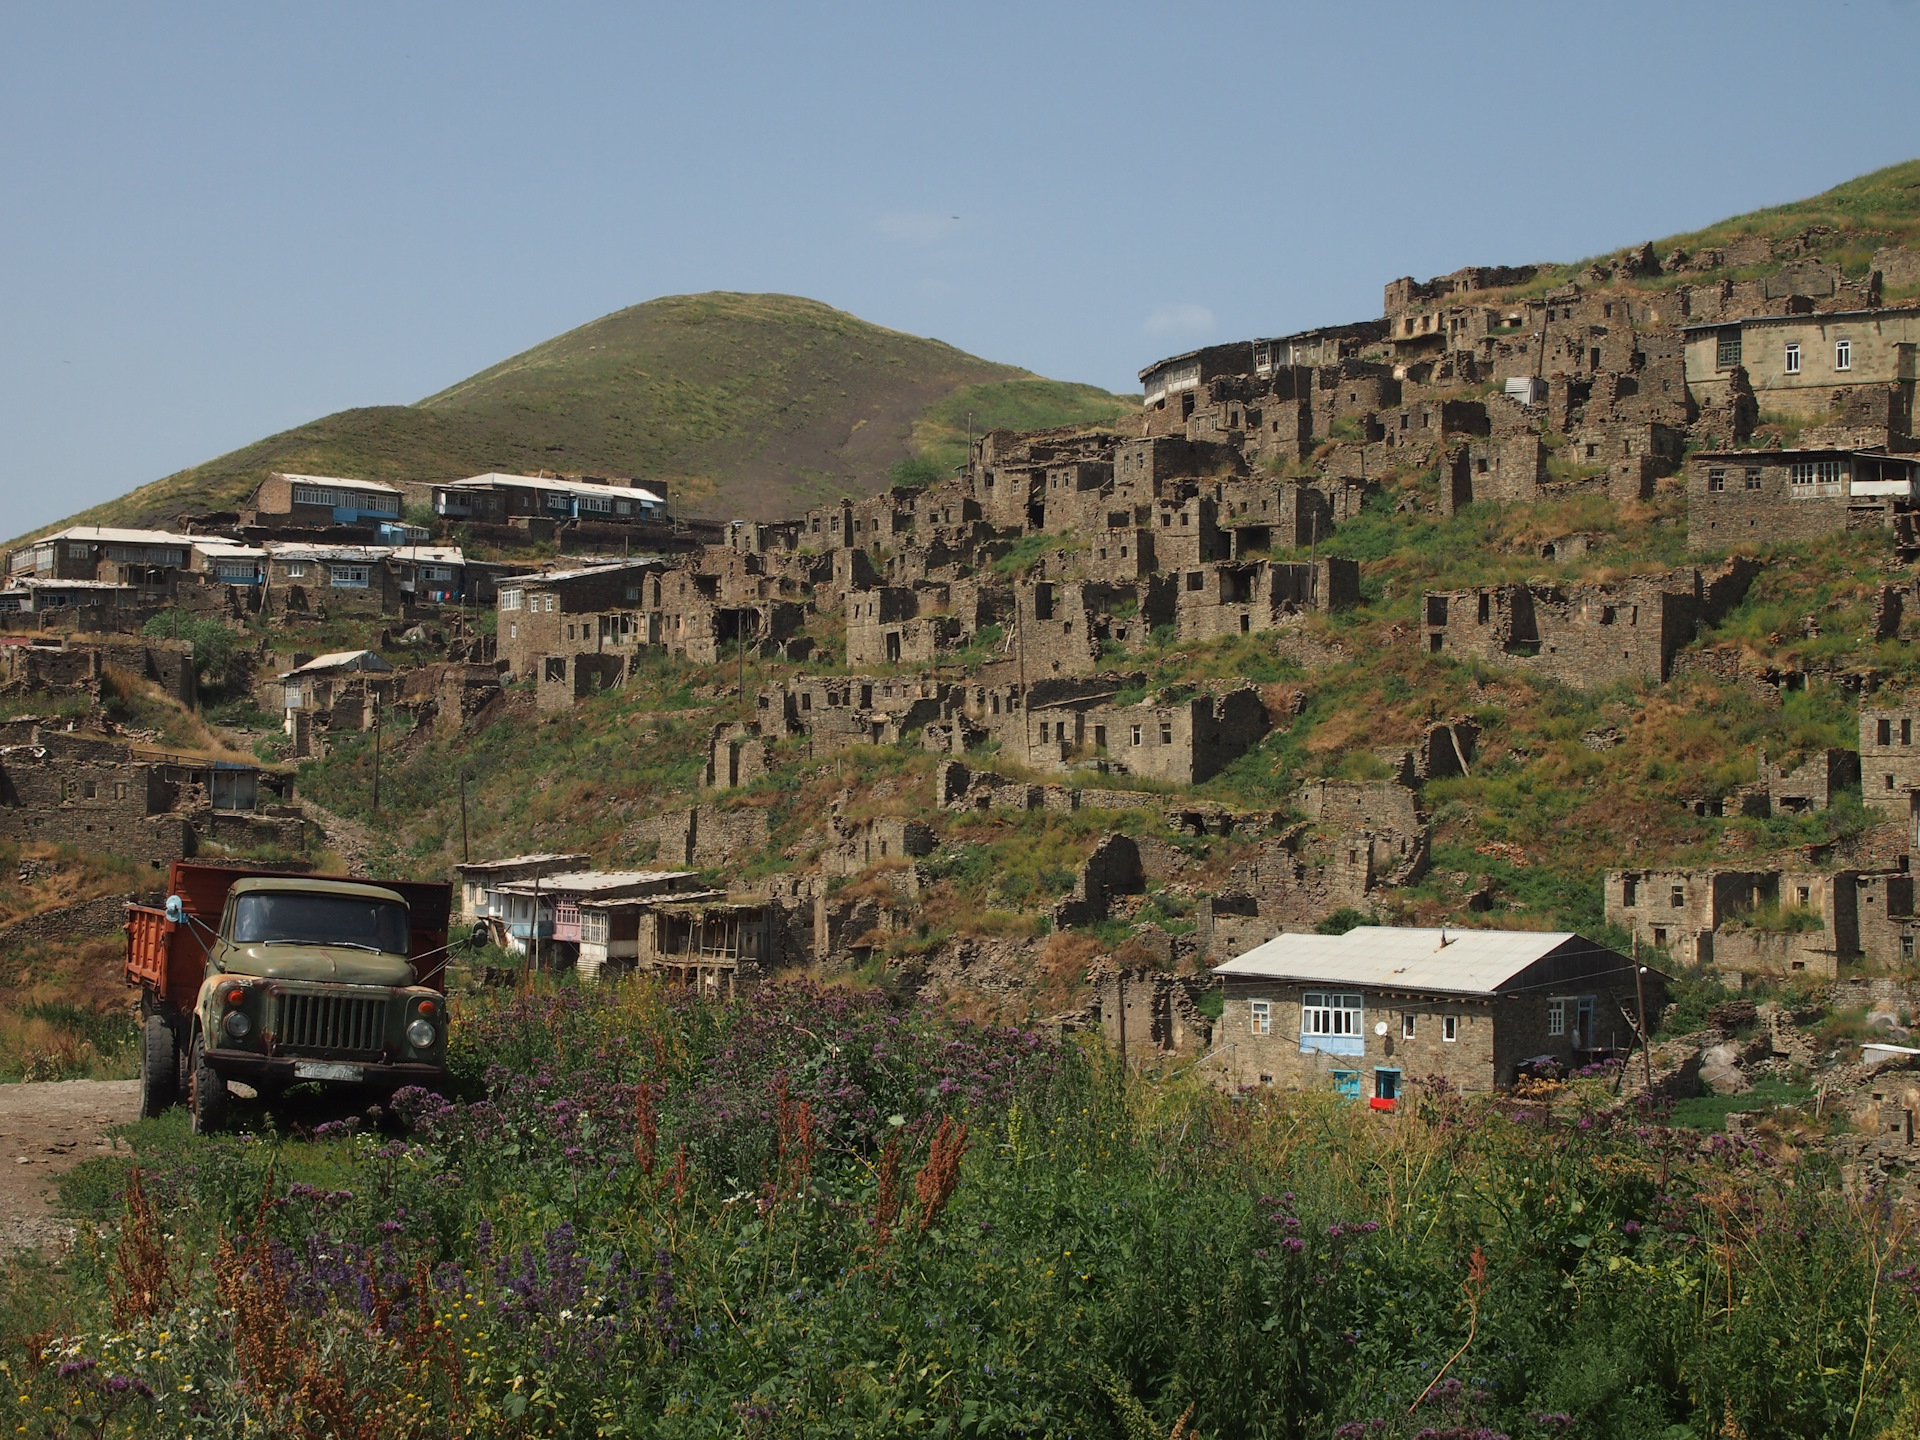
x,y
274,980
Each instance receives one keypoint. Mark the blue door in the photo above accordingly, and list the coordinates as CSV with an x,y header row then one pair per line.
x,y
1347,1084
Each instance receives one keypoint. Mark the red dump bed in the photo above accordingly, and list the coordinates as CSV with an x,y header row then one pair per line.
x,y
171,959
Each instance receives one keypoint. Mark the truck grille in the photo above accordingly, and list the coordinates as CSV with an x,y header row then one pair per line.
x,y
331,1022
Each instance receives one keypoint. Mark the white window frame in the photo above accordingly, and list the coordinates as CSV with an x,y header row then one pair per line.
x,y
1407,1025
1332,1014
1449,1028
1136,734
1843,354
296,569
314,495
1810,478
1260,1017
1793,357
356,577
1556,1017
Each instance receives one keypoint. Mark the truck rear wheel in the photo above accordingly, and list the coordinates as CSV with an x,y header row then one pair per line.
x,y
207,1092
159,1068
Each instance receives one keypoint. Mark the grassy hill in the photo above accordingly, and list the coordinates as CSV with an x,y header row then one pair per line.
x,y
743,404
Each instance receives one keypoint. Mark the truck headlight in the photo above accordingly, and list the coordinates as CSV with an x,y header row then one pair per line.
x,y
237,1024
421,1034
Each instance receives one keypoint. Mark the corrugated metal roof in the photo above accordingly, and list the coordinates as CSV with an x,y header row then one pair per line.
x,y
1459,962
513,861
552,482
585,882
378,486
343,660
109,535
538,578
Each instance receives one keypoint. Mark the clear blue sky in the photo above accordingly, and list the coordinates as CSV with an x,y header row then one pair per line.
x,y
218,221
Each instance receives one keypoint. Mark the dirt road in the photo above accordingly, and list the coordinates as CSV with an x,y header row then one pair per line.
x,y
46,1130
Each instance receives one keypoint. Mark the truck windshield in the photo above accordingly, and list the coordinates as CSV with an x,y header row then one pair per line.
x,y
320,920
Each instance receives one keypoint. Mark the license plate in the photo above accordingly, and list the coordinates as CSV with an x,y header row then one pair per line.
x,y
320,1070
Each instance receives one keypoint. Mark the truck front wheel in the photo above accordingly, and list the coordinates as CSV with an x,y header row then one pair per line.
x,y
207,1091
159,1068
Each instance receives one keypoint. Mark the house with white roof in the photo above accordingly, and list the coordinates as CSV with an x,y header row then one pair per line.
x,y
547,910
323,500
222,562
497,499
146,558
1369,1011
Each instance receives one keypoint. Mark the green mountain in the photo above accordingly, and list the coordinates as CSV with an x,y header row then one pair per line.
x,y
754,405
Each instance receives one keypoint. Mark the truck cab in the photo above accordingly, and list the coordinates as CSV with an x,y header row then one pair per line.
x,y
303,979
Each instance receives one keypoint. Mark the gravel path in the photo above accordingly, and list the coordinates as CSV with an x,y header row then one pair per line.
x,y
46,1130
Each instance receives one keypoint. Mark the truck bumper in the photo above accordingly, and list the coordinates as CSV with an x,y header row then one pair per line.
x,y
286,1070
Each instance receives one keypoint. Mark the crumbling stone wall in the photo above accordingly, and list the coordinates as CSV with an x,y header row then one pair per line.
x,y
1890,759
704,837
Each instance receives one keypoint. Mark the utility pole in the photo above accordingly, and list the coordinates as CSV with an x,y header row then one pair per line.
x,y
1646,1030
533,928
376,752
464,857
1120,990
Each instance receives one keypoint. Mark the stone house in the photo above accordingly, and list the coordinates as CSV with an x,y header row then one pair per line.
x,y
1243,597
536,610
338,578
321,501
1812,784
1148,1016
151,561
1796,363
1365,1013
1702,917
1764,497
1187,743
149,807
899,625
1890,761
525,500
1584,635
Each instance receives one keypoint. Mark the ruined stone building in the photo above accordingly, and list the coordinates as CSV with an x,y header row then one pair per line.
x,y
1584,635
1770,923
1890,761
138,804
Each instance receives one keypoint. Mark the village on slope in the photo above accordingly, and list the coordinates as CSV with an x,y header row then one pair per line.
x,y
1435,694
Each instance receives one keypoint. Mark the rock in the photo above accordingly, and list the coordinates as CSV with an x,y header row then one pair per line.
x,y
1720,1071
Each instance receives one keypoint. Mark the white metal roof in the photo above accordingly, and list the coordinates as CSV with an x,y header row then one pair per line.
x,y
512,861
1464,962
378,486
109,535
39,582
551,482
363,554
227,550
430,554
342,660
584,882
542,578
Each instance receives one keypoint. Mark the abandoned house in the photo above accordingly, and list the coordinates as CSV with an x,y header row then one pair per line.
x,y
1584,635
1744,922
1890,761
1366,1012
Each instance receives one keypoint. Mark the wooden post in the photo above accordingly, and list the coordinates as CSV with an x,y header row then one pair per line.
x,y
464,857
1646,1029
1120,990
376,752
